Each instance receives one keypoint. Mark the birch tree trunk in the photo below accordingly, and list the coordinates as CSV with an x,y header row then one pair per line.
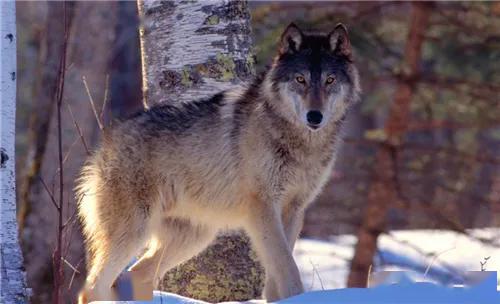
x,y
383,190
191,50
12,280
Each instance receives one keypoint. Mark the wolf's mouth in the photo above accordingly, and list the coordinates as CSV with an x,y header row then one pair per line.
x,y
314,126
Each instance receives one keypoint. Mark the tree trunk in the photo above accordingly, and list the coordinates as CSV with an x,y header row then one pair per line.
x,y
12,280
41,114
89,52
191,50
383,190
125,95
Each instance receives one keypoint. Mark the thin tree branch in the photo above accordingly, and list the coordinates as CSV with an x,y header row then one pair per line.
x,y
66,156
105,100
91,100
434,258
52,198
57,256
78,129
74,273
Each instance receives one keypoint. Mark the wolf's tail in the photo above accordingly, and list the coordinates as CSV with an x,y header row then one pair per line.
x,y
87,190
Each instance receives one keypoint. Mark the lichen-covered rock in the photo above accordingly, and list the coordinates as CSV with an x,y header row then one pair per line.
x,y
227,270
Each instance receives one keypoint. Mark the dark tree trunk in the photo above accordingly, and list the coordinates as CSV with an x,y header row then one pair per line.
x,y
125,93
384,188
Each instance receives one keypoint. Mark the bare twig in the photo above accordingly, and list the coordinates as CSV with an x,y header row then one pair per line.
x,y
92,104
434,258
451,269
368,277
74,273
483,263
52,198
57,256
105,100
69,151
315,271
66,156
70,66
70,266
72,217
78,129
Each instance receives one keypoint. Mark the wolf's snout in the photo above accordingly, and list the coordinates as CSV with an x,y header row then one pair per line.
x,y
314,118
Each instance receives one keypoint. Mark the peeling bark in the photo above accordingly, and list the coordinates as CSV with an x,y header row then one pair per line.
x,y
383,190
191,50
12,278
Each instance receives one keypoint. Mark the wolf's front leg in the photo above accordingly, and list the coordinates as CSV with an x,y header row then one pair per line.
x,y
292,219
268,238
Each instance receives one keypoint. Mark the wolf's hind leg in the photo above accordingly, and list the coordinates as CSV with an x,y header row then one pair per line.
x,y
175,242
112,247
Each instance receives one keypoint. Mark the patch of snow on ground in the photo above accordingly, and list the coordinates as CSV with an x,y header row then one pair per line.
x,y
447,254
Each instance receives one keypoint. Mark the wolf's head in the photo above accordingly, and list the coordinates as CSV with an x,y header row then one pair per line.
x,y
313,77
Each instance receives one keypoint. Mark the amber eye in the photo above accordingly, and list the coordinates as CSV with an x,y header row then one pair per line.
x,y
330,80
300,79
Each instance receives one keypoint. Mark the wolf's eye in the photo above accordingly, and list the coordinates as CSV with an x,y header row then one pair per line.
x,y
300,79
330,80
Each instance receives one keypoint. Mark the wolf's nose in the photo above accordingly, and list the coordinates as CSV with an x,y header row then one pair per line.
x,y
314,117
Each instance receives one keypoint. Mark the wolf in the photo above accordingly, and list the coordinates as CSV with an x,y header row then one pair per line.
x,y
165,181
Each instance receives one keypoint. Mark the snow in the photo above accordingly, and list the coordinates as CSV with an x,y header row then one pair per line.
x,y
430,257
449,254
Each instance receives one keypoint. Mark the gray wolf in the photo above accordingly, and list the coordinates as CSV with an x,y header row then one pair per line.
x,y
165,181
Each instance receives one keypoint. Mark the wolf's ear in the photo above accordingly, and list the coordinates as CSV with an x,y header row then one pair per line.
x,y
290,39
339,41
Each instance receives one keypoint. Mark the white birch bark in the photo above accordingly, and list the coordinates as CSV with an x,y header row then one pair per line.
x,y
12,279
191,50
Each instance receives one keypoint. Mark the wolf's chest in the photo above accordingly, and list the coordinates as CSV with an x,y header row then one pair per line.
x,y
300,168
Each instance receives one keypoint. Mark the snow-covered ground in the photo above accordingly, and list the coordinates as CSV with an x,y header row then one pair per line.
x,y
447,254
437,256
